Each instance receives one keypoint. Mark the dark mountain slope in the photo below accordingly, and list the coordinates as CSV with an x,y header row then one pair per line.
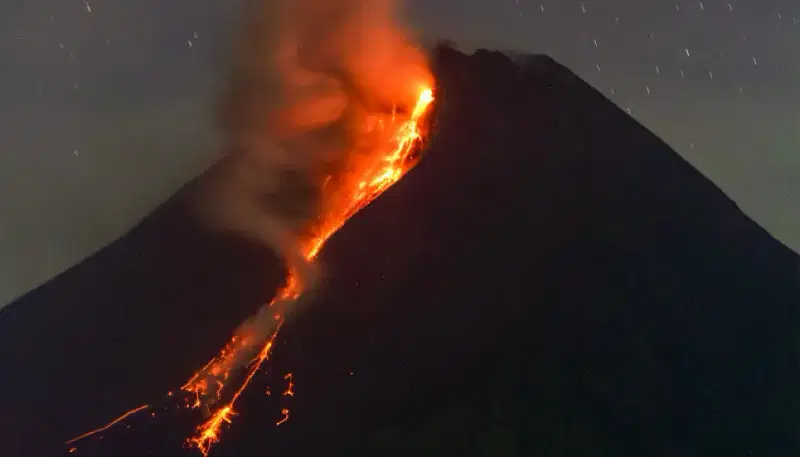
x,y
552,279
551,251
125,325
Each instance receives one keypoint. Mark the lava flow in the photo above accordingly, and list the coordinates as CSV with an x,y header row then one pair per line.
x,y
365,184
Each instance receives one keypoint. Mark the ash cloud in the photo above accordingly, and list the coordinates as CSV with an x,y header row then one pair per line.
x,y
305,77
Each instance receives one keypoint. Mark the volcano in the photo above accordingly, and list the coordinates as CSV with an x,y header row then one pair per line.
x,y
550,280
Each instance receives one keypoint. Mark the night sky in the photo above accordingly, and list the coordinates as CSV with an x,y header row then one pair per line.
x,y
106,106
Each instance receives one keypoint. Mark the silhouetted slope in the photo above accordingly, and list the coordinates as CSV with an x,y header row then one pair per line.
x,y
124,326
553,259
551,280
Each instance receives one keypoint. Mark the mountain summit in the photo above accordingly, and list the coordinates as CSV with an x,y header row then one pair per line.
x,y
550,280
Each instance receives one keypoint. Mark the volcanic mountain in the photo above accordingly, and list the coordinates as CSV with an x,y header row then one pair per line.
x,y
550,280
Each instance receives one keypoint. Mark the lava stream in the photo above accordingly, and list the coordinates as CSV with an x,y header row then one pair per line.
x,y
371,183
114,422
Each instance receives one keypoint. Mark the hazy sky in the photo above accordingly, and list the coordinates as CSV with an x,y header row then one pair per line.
x,y
105,105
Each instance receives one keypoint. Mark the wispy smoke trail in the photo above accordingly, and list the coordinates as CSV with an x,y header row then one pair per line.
x,y
306,78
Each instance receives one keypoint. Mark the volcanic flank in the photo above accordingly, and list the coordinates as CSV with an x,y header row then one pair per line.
x,y
550,279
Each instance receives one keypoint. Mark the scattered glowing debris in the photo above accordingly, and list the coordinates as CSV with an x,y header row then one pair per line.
x,y
285,412
290,388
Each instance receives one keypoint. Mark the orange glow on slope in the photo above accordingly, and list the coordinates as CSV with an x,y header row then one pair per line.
x,y
208,433
362,187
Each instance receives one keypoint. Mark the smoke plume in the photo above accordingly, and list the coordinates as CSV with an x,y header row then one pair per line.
x,y
306,79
